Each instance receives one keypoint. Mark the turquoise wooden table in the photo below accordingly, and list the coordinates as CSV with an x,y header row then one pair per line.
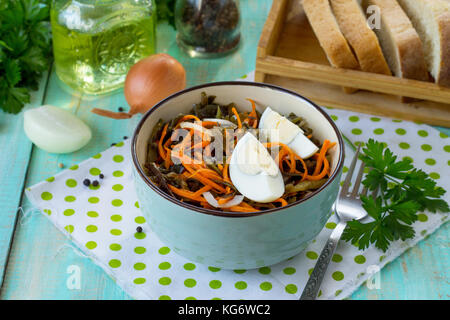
x,y
35,256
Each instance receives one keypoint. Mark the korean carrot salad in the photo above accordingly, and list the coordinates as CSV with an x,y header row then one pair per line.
x,y
220,158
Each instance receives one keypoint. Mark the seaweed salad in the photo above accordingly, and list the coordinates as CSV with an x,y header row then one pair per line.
x,y
212,157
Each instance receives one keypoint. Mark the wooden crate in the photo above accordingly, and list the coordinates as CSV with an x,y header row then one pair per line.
x,y
289,55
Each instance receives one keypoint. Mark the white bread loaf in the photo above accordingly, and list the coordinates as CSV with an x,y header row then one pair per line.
x,y
353,24
431,19
399,40
329,35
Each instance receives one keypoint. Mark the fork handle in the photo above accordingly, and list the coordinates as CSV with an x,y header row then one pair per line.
x,y
315,279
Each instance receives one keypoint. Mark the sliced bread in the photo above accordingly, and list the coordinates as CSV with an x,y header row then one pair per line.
x,y
431,18
353,24
327,31
399,41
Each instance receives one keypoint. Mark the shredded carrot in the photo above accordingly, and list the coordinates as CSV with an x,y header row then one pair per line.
x,y
206,205
180,146
242,209
324,172
281,154
207,173
292,158
162,153
207,150
237,117
246,205
185,194
204,180
197,144
321,156
225,173
253,113
284,151
305,173
168,142
209,123
200,191
167,159
282,201
224,200
187,117
201,144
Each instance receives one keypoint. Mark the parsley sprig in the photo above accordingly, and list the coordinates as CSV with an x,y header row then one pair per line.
x,y
25,50
403,192
166,11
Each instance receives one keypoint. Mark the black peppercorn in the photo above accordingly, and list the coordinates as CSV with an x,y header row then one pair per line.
x,y
113,144
121,109
125,138
212,25
101,175
87,182
139,229
95,183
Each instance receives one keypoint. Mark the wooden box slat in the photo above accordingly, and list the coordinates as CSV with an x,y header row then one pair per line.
x,y
290,55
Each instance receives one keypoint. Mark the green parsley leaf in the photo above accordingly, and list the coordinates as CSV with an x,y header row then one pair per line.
x,y
15,99
12,72
404,191
25,50
166,11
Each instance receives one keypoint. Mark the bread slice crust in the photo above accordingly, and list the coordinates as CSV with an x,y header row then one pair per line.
x,y
400,42
444,75
353,24
327,31
431,18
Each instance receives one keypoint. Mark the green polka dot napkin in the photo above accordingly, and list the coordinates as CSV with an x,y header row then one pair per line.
x,y
102,222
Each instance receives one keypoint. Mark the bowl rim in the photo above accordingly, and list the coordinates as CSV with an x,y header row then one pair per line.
x,y
213,212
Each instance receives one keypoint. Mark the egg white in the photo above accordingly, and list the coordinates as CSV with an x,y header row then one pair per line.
x,y
276,128
257,177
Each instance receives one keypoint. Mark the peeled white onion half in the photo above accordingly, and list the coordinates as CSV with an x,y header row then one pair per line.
x,y
55,130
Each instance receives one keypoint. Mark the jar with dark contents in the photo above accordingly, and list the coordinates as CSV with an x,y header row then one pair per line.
x,y
207,28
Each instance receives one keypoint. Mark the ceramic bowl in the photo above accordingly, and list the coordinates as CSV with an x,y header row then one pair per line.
x,y
237,240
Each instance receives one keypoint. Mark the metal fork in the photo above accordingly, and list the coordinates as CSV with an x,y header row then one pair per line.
x,y
347,207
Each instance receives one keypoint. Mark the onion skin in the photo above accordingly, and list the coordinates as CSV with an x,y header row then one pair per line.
x,y
149,81
112,114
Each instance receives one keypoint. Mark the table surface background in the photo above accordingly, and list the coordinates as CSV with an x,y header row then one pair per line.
x,y
34,255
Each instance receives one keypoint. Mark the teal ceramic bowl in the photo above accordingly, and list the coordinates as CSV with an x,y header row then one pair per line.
x,y
237,240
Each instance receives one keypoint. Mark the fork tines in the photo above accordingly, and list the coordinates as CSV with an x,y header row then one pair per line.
x,y
345,187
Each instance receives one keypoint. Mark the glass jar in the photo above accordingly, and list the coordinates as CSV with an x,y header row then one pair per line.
x,y
95,42
207,28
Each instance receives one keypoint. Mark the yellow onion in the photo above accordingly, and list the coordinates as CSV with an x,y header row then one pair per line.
x,y
149,81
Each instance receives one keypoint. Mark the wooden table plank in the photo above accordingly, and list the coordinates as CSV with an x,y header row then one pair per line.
x,y
39,258
41,254
14,159
36,270
420,273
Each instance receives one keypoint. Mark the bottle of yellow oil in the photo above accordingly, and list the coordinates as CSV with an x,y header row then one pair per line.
x,y
95,42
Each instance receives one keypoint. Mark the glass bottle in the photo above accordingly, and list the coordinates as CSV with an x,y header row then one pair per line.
x,y
95,42
207,28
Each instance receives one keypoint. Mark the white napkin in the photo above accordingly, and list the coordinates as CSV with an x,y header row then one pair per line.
x,y
102,223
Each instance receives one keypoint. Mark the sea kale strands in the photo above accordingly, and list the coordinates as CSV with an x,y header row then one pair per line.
x,y
404,191
24,50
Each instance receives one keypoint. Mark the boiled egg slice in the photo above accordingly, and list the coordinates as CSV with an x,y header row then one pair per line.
x,y
253,171
276,128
